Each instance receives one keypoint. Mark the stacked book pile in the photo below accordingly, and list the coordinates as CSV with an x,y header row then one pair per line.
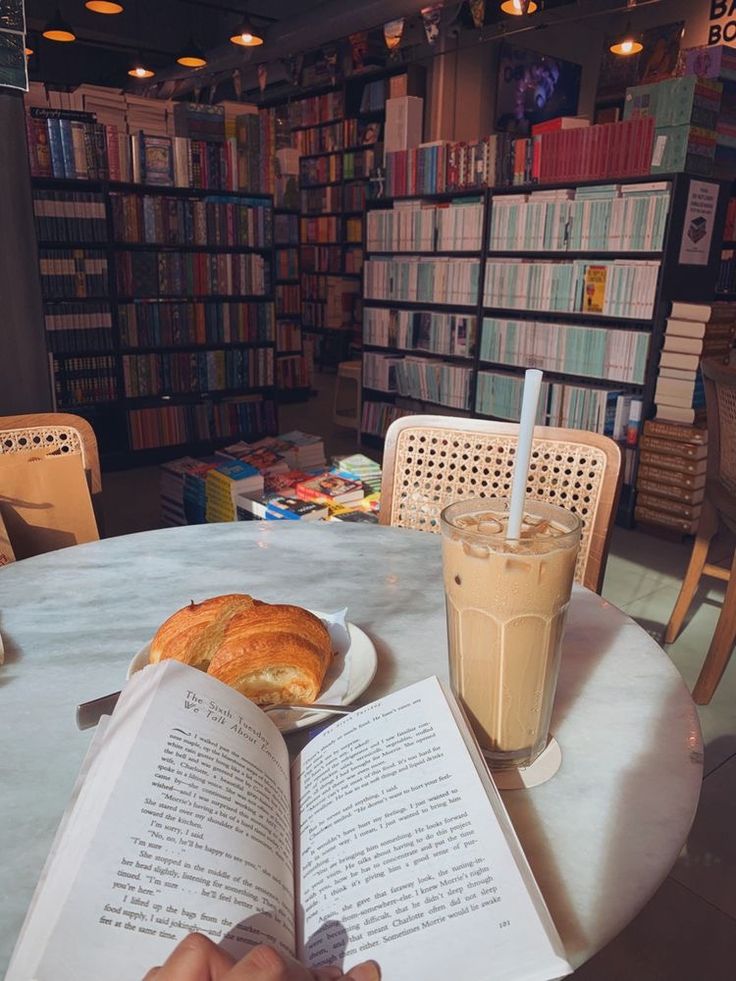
x,y
671,479
224,484
685,112
718,63
693,331
360,467
278,478
195,494
173,510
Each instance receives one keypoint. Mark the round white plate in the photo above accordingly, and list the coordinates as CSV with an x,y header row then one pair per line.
x,y
351,671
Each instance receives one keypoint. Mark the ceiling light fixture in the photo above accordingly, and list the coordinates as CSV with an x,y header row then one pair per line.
x,y
517,8
139,69
57,29
104,7
192,56
246,35
627,43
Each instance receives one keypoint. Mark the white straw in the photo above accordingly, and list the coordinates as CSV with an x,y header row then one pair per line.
x,y
529,402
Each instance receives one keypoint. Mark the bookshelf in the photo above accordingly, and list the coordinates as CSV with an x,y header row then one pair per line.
x,y
159,312
527,278
335,131
292,367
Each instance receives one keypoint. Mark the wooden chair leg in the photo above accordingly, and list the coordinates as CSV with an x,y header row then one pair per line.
x,y
707,528
721,646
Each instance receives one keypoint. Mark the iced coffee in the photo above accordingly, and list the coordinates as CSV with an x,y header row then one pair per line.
x,y
506,605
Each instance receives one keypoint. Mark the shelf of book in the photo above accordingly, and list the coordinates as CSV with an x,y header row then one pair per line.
x,y
597,338
150,367
337,132
293,362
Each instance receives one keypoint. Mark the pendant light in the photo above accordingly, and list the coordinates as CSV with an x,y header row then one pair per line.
x,y
30,47
104,6
246,34
627,43
57,29
139,69
192,56
516,9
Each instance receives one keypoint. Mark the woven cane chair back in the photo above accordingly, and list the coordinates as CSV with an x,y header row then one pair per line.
x,y
430,461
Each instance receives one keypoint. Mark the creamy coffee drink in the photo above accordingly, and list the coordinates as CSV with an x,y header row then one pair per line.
x,y
506,605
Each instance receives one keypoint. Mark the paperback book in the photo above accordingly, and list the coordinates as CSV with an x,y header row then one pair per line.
x,y
188,816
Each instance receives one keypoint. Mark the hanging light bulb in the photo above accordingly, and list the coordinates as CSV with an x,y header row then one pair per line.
x,y
57,29
516,7
29,48
139,69
192,56
104,6
246,34
627,43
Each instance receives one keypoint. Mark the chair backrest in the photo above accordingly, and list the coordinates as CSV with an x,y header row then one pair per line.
x,y
56,432
430,461
720,398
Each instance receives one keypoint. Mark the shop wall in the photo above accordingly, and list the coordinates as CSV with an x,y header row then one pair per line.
x,y
461,81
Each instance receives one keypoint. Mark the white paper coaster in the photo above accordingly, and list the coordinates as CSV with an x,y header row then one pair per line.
x,y
540,771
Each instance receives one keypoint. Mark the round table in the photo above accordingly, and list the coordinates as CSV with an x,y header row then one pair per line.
x,y
600,836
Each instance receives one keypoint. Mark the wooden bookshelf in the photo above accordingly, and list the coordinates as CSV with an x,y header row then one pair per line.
x,y
165,368
583,393
292,363
330,125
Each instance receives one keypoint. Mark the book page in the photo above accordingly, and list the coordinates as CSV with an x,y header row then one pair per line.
x,y
402,855
183,823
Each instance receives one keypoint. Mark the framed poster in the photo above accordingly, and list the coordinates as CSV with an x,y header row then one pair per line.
x,y
533,87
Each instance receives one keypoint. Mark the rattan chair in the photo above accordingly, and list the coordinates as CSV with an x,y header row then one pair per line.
x,y
430,461
56,432
719,505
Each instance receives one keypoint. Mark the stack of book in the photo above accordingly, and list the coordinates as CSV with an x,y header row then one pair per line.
x,y
195,494
225,483
693,331
173,510
685,112
718,63
360,467
671,479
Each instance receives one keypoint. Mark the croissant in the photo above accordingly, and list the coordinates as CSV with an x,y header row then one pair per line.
x,y
271,653
274,654
192,635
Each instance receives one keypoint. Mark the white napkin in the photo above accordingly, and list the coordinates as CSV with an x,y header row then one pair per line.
x,y
337,680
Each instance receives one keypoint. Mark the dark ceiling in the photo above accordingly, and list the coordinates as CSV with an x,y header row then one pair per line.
x,y
107,45
159,28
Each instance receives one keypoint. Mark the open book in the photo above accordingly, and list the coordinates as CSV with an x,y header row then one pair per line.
x,y
385,839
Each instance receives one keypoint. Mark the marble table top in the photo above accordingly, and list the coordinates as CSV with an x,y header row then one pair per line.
x,y
600,836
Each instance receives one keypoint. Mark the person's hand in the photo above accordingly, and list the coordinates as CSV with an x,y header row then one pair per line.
x,y
197,958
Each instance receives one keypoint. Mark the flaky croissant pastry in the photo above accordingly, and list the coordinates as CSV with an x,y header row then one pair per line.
x,y
271,653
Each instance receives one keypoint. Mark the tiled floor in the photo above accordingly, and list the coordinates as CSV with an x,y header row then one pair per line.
x,y
687,932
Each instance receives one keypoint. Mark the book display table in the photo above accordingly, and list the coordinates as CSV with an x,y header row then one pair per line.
x,y
600,836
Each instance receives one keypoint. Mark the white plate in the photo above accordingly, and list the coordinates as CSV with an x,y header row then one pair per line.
x,y
351,671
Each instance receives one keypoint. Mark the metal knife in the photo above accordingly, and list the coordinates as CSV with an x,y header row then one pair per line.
x,y
90,713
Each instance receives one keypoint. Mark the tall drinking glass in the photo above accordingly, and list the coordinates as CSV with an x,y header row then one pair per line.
x,y
506,605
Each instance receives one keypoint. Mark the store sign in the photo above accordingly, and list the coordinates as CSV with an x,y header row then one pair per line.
x,y
722,22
